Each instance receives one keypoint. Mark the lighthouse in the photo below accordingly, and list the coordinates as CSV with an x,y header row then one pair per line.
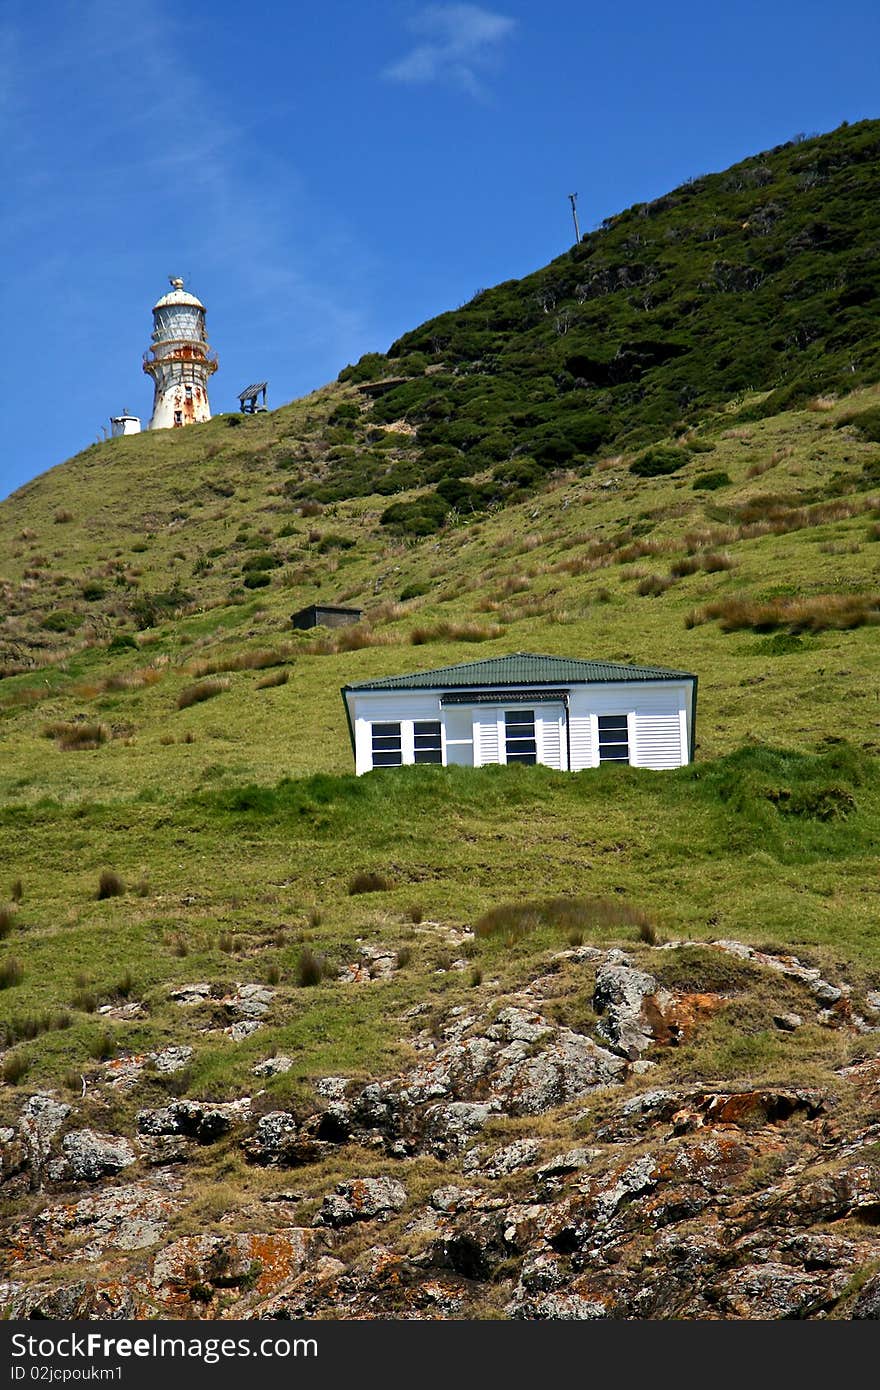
x,y
179,360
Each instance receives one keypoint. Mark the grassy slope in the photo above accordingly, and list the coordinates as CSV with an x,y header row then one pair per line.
x,y
706,855
709,851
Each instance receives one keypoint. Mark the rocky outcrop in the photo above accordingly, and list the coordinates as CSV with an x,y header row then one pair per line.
x,y
582,1178
89,1156
361,1199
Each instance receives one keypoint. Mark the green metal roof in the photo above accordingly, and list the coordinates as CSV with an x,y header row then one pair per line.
x,y
522,668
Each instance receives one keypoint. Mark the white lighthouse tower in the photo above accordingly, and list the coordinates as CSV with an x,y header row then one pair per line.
x,y
179,360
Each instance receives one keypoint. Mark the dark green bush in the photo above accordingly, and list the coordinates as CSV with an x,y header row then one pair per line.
x,y
710,482
658,462
62,620
263,560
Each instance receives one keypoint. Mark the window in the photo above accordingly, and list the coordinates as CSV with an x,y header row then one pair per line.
x,y
178,417
189,393
427,745
386,745
519,736
613,738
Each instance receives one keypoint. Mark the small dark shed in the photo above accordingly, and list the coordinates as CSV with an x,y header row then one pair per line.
x,y
326,615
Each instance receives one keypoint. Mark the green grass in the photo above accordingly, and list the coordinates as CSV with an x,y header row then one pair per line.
x,y
240,815
742,846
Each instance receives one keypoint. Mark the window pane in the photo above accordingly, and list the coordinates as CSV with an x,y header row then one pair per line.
x,y
519,736
386,745
613,738
427,741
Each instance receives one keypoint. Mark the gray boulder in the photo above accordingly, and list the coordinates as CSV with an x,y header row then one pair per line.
x,y
361,1199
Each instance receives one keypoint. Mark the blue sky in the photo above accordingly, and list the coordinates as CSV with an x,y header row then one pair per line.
x,y
328,176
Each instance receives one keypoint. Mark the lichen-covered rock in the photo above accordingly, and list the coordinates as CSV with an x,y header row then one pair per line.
x,y
280,1141
133,1217
89,1156
171,1059
867,1305
204,1121
520,1154
250,1001
620,994
361,1199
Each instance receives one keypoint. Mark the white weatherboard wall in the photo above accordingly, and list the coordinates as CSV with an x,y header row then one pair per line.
x,y
657,716
658,723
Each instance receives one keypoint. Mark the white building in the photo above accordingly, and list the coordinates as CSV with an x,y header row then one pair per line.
x,y
179,361
554,710
124,424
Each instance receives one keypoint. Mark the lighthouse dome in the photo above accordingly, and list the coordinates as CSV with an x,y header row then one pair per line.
x,y
177,295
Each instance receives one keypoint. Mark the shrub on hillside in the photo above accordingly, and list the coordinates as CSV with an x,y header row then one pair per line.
x,y
658,462
61,620
710,482
149,609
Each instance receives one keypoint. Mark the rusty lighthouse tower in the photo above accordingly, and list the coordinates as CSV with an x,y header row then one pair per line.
x,y
179,360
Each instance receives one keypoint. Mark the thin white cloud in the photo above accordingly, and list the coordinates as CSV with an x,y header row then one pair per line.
x,y
150,138
458,44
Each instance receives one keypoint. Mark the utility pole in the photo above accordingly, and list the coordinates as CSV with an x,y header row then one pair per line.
x,y
572,198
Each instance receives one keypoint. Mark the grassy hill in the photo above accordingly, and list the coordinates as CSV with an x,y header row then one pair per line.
x,y
161,721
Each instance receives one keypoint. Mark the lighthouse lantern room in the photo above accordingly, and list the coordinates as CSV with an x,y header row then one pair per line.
x,y
179,360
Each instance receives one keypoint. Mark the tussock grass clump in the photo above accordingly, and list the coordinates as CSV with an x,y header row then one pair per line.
x,y
711,562
257,660
110,885
347,639
316,917
29,1026
311,968
455,632
14,1068
201,691
16,892
404,957
819,613
7,922
273,679
273,974
653,585
368,881
84,1000
76,735
62,516
415,913
565,915
102,1047
11,972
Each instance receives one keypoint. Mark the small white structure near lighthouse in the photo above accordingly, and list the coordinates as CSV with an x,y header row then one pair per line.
x,y
124,424
179,360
